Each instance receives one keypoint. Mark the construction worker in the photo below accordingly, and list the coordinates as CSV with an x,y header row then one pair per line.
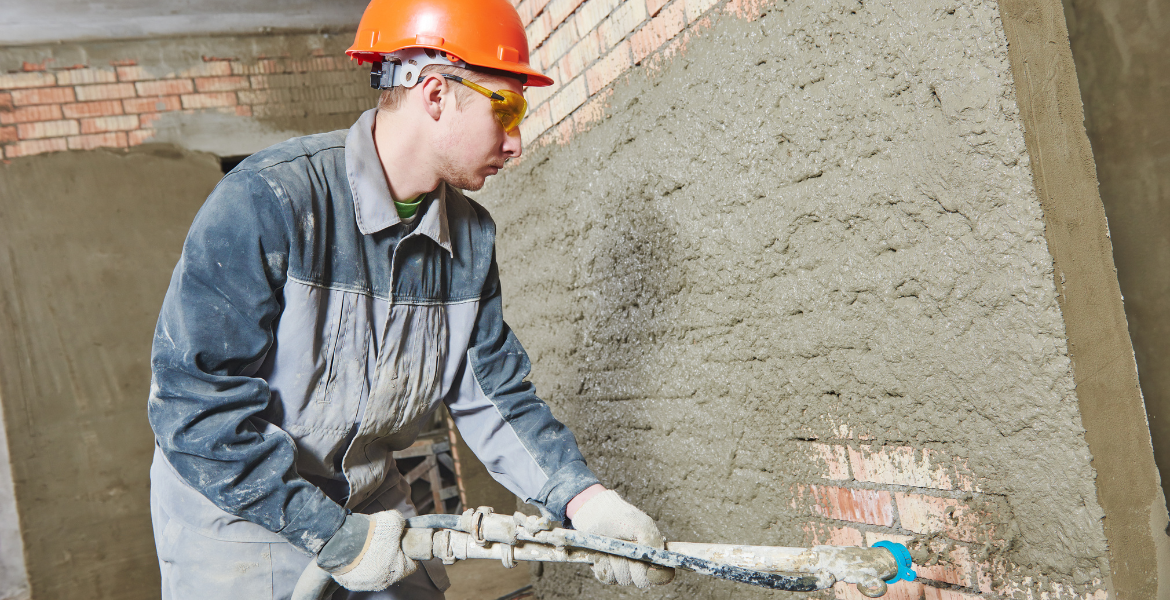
x,y
332,292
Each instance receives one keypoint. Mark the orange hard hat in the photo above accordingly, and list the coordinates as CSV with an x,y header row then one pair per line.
x,y
483,33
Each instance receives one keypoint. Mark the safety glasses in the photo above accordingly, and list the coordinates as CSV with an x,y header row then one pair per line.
x,y
508,106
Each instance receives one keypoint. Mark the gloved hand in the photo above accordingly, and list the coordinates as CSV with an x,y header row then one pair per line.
x,y
607,514
365,555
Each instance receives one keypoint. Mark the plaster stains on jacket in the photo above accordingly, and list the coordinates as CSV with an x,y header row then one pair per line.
x,y
308,332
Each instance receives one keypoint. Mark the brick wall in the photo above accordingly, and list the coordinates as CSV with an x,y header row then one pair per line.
x,y
921,497
48,108
585,45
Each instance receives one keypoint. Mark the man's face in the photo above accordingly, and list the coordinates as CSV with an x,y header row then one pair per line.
x,y
473,145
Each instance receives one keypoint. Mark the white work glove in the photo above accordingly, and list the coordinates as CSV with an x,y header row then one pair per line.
x,y
608,515
365,555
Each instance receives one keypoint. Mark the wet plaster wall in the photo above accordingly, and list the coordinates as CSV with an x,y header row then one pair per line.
x,y
797,286
88,240
1123,67
88,246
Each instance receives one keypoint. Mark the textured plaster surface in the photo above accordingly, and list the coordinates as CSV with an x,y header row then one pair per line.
x,y
87,245
1123,67
1106,376
821,221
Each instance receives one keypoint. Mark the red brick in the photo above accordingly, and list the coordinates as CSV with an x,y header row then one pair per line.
x,y
831,461
85,76
159,104
133,73
313,64
872,507
125,62
933,593
901,465
147,120
948,516
11,81
8,134
560,9
221,84
105,108
139,137
218,68
903,590
604,71
258,97
696,8
217,99
536,123
817,534
5,101
29,114
52,95
106,91
653,6
115,139
658,31
265,66
747,9
46,129
164,87
104,124
30,147
243,111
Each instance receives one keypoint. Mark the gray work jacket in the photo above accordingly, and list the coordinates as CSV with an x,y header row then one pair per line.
x,y
307,334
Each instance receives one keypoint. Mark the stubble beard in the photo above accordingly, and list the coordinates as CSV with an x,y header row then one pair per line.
x,y
461,178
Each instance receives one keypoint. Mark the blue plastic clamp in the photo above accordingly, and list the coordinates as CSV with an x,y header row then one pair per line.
x,y
902,557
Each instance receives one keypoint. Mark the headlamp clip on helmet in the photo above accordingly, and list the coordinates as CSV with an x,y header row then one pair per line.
x,y
402,67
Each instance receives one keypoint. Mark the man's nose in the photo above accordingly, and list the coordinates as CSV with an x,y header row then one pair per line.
x,y
512,143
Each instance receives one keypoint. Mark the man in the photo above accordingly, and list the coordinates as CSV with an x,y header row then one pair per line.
x,y
333,290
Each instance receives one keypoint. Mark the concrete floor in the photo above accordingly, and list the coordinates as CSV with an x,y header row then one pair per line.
x,y
485,580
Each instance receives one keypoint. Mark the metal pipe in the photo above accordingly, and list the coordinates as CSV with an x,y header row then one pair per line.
x,y
481,534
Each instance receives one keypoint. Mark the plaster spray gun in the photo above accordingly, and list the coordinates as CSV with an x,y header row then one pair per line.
x,y
480,533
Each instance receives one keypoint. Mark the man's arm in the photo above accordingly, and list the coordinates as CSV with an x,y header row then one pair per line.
x,y
215,328
509,428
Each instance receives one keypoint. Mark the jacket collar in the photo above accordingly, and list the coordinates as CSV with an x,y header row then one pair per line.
x,y
372,203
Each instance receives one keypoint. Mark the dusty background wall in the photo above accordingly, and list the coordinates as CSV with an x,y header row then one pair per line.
x,y
1123,65
110,149
783,266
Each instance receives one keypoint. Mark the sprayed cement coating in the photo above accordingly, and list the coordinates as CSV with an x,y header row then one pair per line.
x,y
1123,68
88,241
823,218
1099,344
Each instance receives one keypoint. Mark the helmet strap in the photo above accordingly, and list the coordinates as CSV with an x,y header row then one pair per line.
x,y
402,67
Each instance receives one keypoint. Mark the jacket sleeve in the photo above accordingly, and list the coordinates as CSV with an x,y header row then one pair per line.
x,y
215,328
509,428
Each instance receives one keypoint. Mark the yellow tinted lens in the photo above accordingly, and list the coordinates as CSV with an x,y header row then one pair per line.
x,y
509,111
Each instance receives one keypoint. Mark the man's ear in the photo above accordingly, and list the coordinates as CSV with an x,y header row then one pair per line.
x,y
435,96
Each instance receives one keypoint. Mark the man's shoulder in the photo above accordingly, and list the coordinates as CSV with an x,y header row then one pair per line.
x,y
304,149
